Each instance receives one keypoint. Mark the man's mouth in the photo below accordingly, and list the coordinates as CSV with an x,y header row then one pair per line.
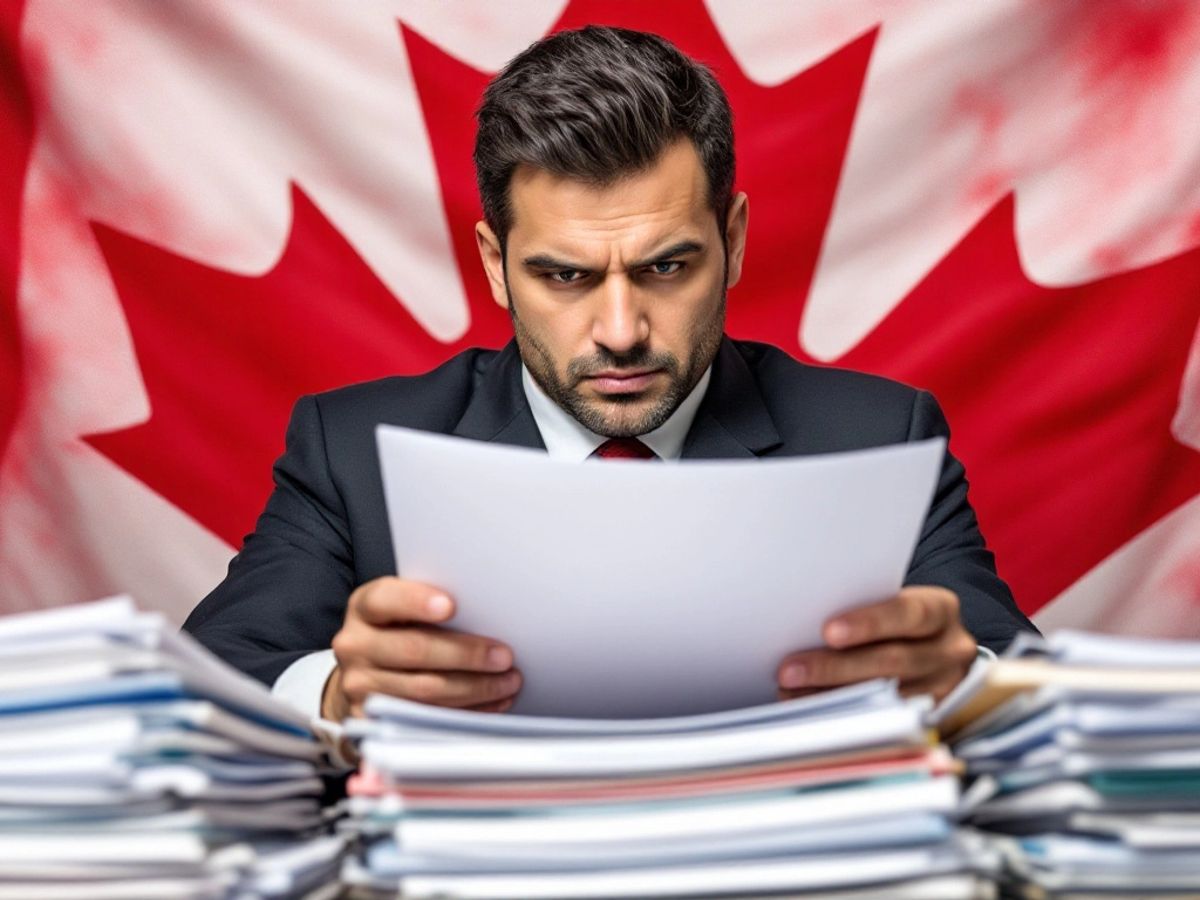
x,y
622,381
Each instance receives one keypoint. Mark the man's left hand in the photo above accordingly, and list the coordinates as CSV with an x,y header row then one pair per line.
x,y
916,637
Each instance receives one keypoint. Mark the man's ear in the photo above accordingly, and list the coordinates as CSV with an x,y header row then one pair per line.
x,y
735,237
493,261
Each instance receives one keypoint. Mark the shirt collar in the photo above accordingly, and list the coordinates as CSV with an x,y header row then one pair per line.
x,y
565,438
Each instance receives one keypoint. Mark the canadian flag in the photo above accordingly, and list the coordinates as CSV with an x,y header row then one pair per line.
x,y
210,207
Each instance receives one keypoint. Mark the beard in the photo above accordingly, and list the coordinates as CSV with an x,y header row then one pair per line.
x,y
621,415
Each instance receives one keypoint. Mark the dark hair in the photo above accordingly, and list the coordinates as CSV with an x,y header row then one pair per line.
x,y
596,104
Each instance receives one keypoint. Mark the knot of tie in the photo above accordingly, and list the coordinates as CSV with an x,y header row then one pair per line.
x,y
624,448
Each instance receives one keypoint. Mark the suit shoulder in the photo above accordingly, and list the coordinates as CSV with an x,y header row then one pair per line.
x,y
824,409
431,401
777,371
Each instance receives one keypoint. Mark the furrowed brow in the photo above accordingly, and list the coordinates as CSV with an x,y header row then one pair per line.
x,y
546,261
683,248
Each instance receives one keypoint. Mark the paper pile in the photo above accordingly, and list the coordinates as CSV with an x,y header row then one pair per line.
x,y
1086,753
134,764
837,792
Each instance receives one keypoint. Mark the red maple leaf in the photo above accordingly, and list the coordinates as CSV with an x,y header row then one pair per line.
x,y
224,357
1061,399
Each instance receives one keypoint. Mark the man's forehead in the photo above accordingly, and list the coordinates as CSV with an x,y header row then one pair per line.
x,y
664,202
590,243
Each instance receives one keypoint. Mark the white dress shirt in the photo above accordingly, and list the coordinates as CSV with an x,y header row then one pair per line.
x,y
302,684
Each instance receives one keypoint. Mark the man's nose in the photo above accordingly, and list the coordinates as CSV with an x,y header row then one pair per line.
x,y
620,321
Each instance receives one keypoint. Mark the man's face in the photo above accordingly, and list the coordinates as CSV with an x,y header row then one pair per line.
x,y
617,293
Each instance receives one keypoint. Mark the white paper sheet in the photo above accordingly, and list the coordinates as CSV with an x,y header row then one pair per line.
x,y
399,718
629,590
613,757
619,825
879,831
736,878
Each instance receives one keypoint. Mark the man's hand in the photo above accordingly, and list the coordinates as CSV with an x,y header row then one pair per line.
x,y
391,643
916,637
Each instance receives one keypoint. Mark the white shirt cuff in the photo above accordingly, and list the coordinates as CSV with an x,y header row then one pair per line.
x,y
302,684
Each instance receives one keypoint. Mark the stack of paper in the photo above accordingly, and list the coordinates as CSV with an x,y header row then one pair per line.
x,y
134,764
1085,750
837,792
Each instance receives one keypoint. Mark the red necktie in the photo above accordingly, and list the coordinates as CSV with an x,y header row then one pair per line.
x,y
624,448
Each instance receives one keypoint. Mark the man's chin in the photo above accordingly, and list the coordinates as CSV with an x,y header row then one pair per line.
x,y
621,416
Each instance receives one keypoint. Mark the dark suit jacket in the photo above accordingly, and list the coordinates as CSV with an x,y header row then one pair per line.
x,y
324,530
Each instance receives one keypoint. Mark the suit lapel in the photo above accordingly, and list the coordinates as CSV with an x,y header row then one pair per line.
x,y
733,421
498,410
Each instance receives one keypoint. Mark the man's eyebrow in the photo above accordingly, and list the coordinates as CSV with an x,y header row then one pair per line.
x,y
683,248
546,261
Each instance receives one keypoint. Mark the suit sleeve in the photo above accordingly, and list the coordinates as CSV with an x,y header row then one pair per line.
x,y
951,551
285,593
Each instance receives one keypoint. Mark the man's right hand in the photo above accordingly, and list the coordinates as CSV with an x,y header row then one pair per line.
x,y
391,642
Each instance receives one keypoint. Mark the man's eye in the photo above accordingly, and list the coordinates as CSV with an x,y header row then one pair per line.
x,y
666,268
566,276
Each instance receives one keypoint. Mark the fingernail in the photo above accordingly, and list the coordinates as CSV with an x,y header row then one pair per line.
x,y
499,658
794,675
837,632
438,605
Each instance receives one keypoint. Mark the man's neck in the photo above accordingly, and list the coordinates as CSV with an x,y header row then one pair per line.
x,y
566,438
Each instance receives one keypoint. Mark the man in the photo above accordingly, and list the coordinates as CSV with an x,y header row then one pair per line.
x,y
611,234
